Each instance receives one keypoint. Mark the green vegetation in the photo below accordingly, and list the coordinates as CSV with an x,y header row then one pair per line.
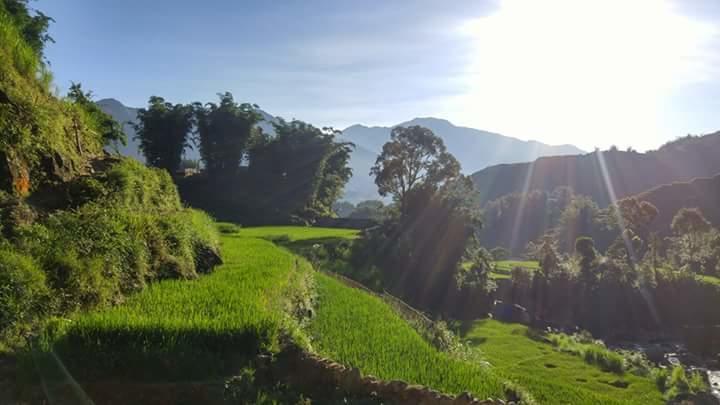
x,y
503,269
126,228
178,330
676,382
360,330
710,279
297,233
551,376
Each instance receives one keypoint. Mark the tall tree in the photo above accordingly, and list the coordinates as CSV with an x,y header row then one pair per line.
x,y
637,215
690,224
301,170
585,248
413,157
689,220
224,132
163,131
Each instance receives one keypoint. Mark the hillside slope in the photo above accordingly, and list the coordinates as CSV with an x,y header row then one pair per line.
x,y
703,193
591,174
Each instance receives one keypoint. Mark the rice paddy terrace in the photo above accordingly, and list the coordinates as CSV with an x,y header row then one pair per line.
x,y
201,330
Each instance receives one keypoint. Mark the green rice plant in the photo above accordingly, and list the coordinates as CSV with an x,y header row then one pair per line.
x,y
298,233
360,330
592,352
186,329
551,375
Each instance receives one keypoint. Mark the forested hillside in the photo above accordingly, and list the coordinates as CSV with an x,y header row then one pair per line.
x,y
599,174
702,193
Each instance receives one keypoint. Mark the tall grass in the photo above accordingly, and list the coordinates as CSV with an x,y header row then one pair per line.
x,y
591,352
360,330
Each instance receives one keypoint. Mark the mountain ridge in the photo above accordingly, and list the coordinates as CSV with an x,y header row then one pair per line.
x,y
474,148
627,172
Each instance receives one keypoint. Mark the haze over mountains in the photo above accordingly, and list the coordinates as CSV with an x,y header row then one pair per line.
x,y
475,149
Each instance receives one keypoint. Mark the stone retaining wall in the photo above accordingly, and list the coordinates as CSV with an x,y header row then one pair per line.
x,y
312,373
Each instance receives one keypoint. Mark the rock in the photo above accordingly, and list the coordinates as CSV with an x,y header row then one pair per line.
x,y
57,168
14,174
206,258
464,398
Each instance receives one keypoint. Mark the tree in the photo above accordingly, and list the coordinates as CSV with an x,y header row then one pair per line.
x,y
585,247
110,130
369,209
301,170
549,261
500,253
637,215
413,157
343,209
224,132
163,129
689,220
689,224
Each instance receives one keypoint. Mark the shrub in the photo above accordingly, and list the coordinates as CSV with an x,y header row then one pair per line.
x,y
676,382
23,292
227,227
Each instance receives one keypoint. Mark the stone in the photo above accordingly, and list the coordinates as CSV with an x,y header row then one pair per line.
x,y
206,258
14,174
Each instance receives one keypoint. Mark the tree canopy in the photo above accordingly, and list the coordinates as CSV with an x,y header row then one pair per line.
x,y
224,132
689,220
301,170
413,157
163,129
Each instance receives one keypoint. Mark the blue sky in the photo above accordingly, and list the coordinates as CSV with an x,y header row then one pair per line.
x,y
591,73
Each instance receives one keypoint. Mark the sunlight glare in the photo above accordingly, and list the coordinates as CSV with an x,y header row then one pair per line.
x,y
583,69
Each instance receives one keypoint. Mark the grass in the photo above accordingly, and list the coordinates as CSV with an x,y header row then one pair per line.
x,y
551,376
503,268
297,233
710,279
182,329
360,330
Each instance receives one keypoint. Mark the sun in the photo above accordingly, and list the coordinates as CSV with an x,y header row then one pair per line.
x,y
584,72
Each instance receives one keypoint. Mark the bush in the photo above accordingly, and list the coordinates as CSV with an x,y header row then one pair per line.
x,y
676,382
132,232
23,292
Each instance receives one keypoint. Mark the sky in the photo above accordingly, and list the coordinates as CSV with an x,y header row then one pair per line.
x,y
592,73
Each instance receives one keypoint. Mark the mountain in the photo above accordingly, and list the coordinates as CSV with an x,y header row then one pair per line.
x,y
702,193
125,116
593,174
474,149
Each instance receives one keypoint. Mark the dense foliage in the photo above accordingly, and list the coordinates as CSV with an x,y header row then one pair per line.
x,y
224,132
300,171
294,176
121,229
162,129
